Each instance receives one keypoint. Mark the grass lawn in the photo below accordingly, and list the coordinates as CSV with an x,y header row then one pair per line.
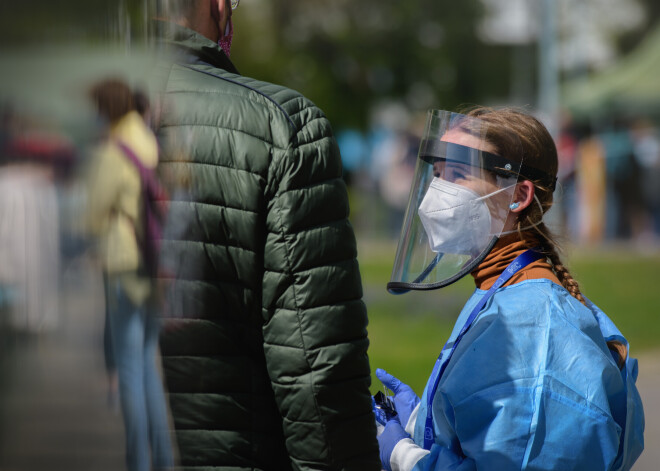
x,y
408,331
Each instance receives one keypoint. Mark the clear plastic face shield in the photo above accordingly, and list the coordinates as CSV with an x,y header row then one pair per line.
x,y
458,205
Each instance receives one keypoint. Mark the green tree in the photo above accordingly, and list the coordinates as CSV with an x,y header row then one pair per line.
x,y
349,55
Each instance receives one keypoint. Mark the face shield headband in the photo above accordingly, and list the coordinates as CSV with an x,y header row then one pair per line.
x,y
433,151
458,204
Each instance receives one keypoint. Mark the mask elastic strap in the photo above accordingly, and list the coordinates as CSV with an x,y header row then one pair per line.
x,y
531,225
495,192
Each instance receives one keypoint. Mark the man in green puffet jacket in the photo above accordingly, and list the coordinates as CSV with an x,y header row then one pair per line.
x,y
264,345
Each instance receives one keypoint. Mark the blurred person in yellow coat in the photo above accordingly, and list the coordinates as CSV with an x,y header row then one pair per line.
x,y
115,212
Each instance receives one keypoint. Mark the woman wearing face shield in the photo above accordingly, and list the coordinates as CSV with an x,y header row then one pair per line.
x,y
534,375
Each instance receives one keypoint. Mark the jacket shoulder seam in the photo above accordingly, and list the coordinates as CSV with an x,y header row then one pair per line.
x,y
259,92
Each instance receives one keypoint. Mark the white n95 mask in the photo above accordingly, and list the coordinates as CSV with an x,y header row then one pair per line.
x,y
456,219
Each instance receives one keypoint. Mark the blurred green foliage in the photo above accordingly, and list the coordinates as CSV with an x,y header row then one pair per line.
x,y
624,284
41,22
408,331
348,55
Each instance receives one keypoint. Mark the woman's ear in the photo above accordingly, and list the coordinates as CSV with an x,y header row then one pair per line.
x,y
522,197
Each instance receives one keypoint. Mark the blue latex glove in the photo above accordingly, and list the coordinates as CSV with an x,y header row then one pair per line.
x,y
392,434
378,413
405,398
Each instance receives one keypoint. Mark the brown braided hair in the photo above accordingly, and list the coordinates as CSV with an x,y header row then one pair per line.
x,y
539,152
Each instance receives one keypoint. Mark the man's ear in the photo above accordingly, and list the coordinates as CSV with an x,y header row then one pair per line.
x,y
221,12
523,196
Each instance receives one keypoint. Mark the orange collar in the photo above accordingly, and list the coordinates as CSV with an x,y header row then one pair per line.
x,y
502,254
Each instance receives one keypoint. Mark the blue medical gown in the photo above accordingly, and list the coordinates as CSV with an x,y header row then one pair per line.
x,y
532,385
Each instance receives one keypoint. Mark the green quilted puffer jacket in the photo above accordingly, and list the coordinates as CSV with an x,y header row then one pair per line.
x,y
264,347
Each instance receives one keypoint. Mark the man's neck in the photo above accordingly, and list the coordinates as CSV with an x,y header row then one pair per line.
x,y
200,20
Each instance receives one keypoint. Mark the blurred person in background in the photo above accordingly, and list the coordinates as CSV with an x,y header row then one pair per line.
x,y
622,204
567,146
265,353
534,375
591,188
646,149
29,223
115,212
142,107
394,185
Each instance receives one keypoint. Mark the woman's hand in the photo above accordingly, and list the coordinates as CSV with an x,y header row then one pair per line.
x,y
405,398
392,434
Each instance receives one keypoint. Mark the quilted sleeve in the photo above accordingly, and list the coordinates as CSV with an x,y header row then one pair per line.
x,y
315,335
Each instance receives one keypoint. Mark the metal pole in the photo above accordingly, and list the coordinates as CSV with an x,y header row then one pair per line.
x,y
548,91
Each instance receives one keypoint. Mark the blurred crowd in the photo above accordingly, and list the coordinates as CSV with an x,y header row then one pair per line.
x,y
60,203
608,185
608,190
609,181
37,166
